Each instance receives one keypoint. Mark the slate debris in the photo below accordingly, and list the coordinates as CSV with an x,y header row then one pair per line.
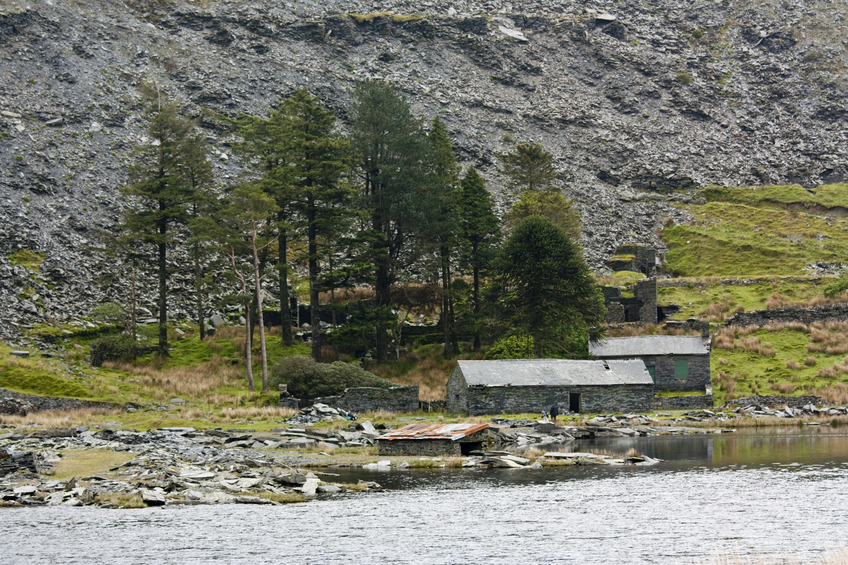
x,y
630,99
173,466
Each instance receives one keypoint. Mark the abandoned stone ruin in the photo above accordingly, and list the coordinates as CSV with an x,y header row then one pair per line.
x,y
641,307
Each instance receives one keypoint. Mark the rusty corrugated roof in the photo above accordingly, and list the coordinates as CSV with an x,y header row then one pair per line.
x,y
452,432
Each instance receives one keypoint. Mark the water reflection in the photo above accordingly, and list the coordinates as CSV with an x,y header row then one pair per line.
x,y
747,447
777,493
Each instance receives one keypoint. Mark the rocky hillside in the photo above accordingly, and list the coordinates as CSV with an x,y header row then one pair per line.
x,y
629,97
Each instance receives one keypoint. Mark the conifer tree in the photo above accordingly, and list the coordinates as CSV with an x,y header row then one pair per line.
x,y
396,173
480,231
529,167
264,142
542,287
315,159
446,224
159,190
197,171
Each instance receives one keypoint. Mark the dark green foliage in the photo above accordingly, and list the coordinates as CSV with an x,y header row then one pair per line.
x,y
307,379
315,159
512,347
529,167
396,170
110,313
113,348
445,227
542,287
480,231
555,206
161,190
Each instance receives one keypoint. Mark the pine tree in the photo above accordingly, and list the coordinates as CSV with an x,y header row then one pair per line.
x,y
160,192
480,231
264,142
393,164
315,160
529,167
197,170
445,228
555,206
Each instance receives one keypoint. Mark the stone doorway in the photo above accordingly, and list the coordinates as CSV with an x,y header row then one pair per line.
x,y
574,402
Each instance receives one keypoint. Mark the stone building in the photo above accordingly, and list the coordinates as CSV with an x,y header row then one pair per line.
x,y
634,257
533,385
641,308
675,362
433,439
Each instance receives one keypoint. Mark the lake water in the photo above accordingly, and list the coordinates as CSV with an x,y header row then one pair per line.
x,y
780,495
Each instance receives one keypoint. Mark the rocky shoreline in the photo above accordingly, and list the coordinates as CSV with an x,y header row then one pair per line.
x,y
182,465
189,466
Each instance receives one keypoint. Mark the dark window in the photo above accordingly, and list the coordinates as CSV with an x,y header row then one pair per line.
x,y
681,370
653,372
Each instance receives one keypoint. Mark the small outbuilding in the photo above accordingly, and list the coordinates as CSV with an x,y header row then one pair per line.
x,y
433,439
675,362
532,385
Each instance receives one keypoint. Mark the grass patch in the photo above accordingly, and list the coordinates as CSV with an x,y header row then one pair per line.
x,y
84,463
783,359
282,497
121,500
27,377
27,258
717,299
762,231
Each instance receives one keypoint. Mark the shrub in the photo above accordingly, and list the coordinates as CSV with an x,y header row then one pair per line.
x,y
512,347
308,380
113,348
109,313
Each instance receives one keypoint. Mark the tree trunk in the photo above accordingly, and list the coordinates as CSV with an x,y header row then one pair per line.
x,y
132,302
163,297
285,309
314,306
257,283
382,291
248,353
475,297
201,317
447,321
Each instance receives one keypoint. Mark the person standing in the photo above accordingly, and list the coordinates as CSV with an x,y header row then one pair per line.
x,y
554,412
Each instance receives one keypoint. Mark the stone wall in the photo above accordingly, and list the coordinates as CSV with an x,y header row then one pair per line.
x,y
683,402
699,372
370,399
760,318
634,257
646,296
432,447
424,448
641,308
16,403
777,401
533,399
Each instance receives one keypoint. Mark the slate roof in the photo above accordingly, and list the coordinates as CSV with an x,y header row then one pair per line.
x,y
554,372
453,432
636,346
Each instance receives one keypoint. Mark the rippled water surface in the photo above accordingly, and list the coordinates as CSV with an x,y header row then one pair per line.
x,y
780,494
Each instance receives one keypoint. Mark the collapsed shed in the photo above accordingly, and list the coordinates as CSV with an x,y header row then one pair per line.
x,y
675,362
433,439
533,385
